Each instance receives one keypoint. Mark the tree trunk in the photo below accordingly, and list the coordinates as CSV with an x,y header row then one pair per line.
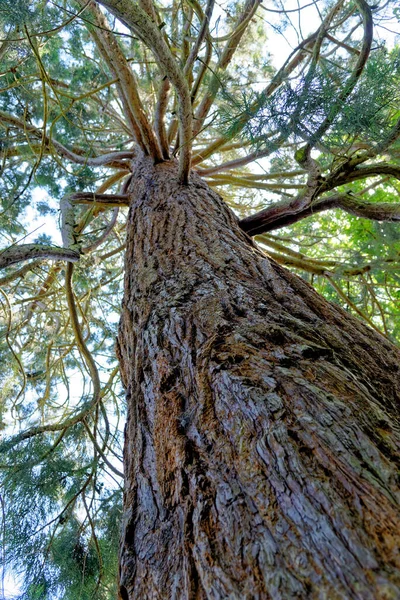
x,y
262,440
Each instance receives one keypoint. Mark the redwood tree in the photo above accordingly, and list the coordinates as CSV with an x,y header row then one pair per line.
x,y
262,436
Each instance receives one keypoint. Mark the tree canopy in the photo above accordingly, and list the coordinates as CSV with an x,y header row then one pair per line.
x,y
303,147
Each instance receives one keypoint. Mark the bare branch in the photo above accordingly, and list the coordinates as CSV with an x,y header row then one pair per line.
x,y
203,69
138,21
120,68
159,118
200,38
105,234
231,46
16,254
276,217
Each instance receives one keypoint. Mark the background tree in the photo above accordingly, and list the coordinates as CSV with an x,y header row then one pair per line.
x,y
262,435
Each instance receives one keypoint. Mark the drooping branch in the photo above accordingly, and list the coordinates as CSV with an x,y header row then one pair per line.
x,y
140,23
159,117
106,233
82,347
101,453
20,272
349,302
16,254
65,424
111,159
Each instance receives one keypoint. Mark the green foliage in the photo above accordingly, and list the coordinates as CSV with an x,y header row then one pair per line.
x,y
60,552
18,12
62,484
297,109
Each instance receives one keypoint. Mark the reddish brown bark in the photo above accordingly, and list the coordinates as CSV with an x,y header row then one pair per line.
x,y
262,440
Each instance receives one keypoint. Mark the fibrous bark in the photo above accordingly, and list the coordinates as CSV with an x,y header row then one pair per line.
x,y
262,439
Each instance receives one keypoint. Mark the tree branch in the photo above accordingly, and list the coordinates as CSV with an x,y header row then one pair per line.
x,y
298,54
355,75
275,216
347,174
139,22
234,164
111,159
229,50
159,117
201,35
127,84
109,200
16,254
20,272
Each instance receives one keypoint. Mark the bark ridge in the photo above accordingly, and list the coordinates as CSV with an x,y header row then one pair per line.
x,y
262,439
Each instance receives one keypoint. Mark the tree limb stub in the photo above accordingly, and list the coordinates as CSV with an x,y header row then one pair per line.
x,y
109,200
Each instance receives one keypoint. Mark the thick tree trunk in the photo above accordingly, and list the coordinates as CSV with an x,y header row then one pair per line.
x,y
262,439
